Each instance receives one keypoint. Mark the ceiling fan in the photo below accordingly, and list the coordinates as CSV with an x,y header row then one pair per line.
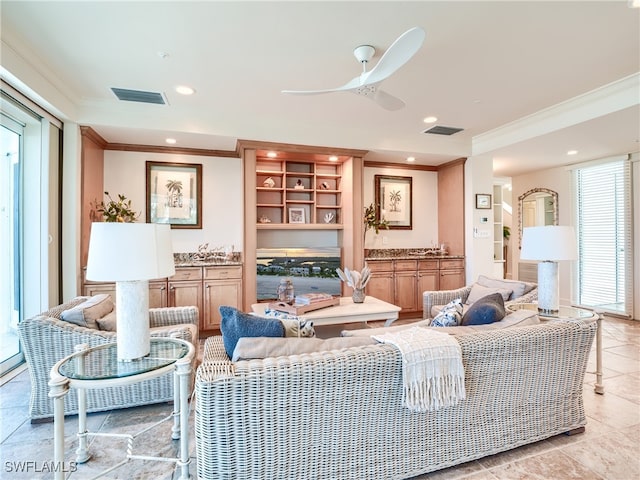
x,y
366,84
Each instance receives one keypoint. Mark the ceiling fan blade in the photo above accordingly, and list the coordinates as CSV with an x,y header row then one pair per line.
x,y
350,85
387,101
399,53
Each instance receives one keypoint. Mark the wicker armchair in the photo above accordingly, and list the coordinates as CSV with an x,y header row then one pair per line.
x,y
46,339
431,299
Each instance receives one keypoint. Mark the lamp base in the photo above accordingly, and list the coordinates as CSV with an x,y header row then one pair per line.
x,y
132,314
548,289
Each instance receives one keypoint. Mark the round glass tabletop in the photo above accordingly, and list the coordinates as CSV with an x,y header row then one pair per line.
x,y
564,311
101,363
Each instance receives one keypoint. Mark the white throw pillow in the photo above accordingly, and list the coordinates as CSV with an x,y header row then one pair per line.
x,y
519,288
478,291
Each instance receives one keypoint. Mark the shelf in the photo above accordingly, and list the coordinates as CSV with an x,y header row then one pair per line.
x,y
270,205
331,207
299,226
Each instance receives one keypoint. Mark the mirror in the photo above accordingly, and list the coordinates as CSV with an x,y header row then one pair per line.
x,y
537,207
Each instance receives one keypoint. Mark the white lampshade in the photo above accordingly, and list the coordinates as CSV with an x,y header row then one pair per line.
x,y
129,251
549,243
130,254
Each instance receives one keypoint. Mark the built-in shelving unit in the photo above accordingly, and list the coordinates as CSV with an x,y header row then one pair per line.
x,y
298,194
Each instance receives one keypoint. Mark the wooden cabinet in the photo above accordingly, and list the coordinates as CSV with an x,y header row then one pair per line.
x,y
428,275
298,193
206,287
452,274
158,297
381,284
402,282
222,286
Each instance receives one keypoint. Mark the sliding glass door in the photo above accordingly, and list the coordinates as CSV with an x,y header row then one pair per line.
x,y
11,135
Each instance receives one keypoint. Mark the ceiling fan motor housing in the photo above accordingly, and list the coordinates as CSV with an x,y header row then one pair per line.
x,y
364,53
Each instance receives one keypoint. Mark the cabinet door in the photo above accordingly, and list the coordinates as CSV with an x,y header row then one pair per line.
x,y
380,286
217,293
406,291
185,294
91,289
427,282
451,279
158,297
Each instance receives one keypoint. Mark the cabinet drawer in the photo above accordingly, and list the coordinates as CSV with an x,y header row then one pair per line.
x,y
187,273
404,265
382,266
220,273
451,263
428,265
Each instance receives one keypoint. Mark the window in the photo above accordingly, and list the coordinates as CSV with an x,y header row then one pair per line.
x,y
604,229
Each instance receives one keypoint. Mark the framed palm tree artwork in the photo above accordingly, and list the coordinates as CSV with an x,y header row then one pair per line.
x,y
394,201
174,194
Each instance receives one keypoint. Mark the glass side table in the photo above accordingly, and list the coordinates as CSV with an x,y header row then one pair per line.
x,y
98,367
567,312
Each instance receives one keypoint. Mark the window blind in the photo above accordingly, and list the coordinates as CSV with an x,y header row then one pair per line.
x,y
604,229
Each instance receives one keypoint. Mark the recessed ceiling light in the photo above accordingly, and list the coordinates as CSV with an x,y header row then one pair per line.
x,y
430,119
333,158
170,141
272,154
185,90
411,159
572,152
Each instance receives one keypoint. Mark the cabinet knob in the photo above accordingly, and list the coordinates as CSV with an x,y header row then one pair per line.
x,y
173,288
163,288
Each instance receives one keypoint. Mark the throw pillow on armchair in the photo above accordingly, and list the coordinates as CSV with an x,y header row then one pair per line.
x,y
488,309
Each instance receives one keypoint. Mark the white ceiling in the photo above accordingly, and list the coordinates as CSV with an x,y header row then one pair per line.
x,y
493,68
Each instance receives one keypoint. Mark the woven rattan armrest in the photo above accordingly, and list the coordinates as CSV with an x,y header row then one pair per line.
x,y
442,297
162,317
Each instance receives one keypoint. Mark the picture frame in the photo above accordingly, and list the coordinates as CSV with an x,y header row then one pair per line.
x,y
174,194
296,215
483,201
394,201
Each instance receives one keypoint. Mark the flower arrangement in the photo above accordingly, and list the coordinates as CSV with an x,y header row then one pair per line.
x,y
353,278
117,211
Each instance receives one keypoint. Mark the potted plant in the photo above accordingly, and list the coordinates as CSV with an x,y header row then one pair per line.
x,y
371,222
117,211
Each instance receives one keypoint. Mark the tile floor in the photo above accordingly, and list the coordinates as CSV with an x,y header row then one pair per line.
x,y
609,449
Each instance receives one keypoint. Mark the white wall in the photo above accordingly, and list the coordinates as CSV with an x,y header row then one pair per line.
x,y
425,210
478,178
222,195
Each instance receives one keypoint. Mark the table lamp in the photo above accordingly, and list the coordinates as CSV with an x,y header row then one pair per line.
x,y
130,254
549,244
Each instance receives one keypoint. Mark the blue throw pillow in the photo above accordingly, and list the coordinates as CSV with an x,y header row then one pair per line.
x,y
236,324
488,309
450,315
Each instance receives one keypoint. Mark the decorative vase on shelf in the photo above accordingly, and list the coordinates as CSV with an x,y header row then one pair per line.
x,y
358,295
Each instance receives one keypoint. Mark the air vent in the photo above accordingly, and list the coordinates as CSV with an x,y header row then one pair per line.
x,y
139,96
441,130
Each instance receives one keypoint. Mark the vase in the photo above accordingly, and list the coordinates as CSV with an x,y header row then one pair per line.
x,y
358,295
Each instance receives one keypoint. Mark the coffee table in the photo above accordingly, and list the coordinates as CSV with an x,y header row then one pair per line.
x,y
98,367
372,309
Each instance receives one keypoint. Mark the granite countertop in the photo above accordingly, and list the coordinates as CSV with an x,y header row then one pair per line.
x,y
407,254
207,259
207,263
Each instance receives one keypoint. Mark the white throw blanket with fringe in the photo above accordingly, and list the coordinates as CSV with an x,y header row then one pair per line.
x,y
432,370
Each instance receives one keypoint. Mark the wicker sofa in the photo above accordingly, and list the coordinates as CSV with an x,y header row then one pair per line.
x,y
432,301
46,339
338,414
